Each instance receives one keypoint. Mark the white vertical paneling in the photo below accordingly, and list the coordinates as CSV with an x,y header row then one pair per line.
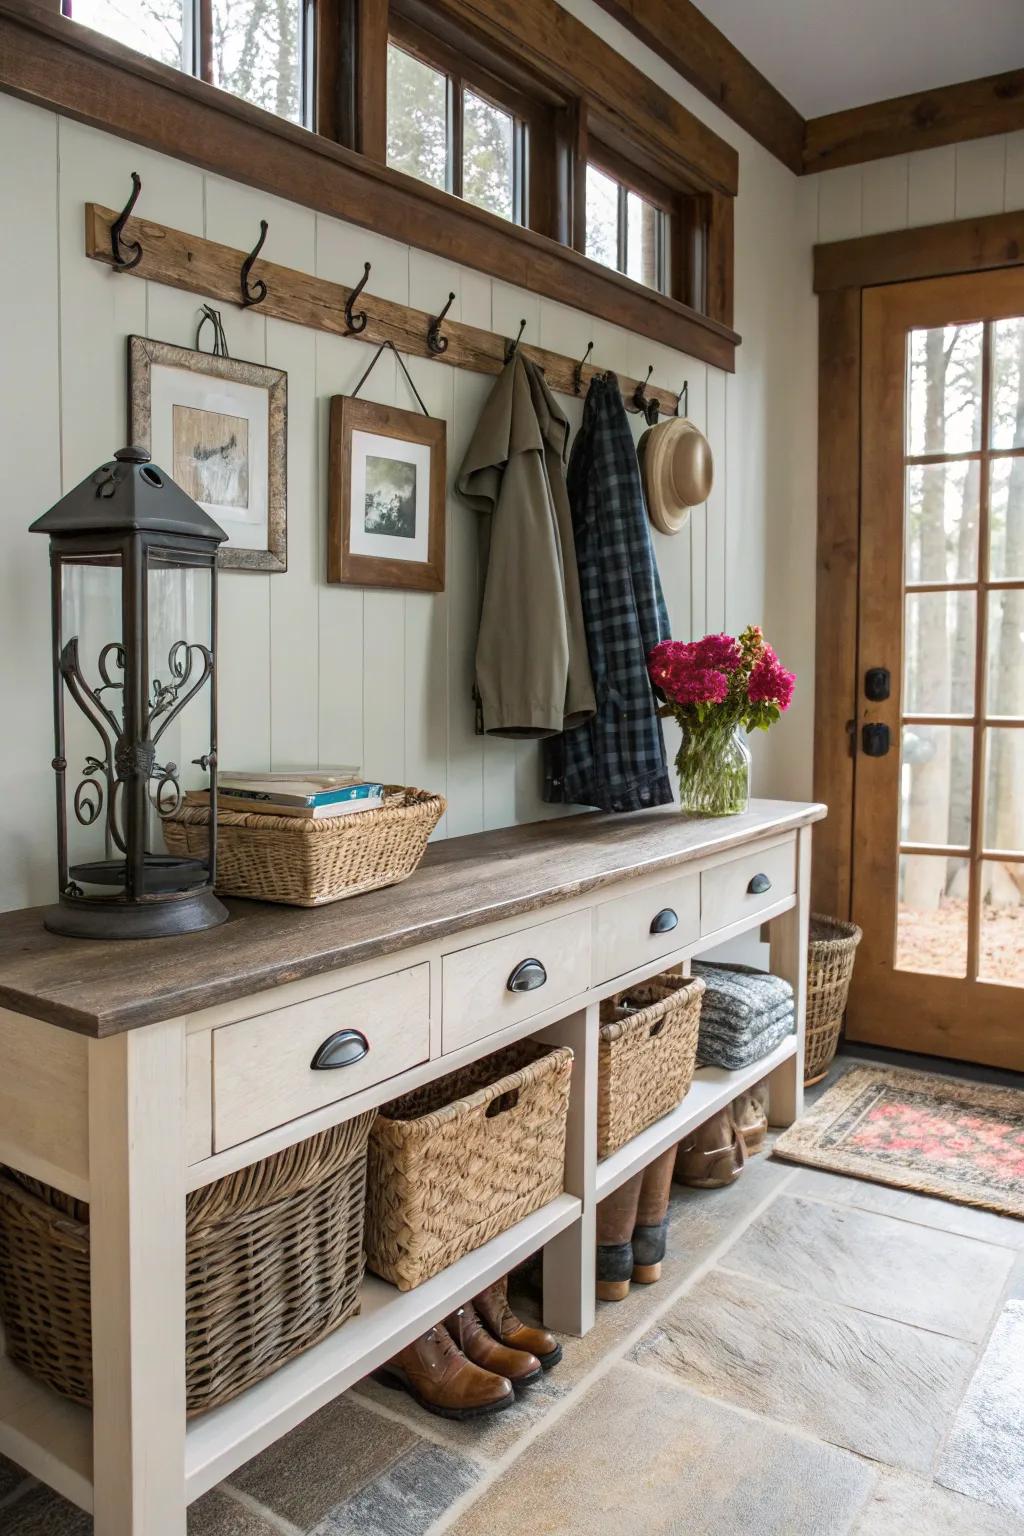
x,y
980,177
716,504
932,189
885,195
839,203
698,522
1013,191
465,748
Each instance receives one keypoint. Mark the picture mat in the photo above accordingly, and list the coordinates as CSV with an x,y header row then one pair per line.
x,y
382,546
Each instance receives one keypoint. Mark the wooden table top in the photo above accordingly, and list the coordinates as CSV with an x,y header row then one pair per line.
x,y
102,987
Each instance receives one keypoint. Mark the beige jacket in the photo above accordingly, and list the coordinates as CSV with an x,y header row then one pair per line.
x,y
532,671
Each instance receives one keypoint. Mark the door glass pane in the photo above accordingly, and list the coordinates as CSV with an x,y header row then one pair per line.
x,y
417,118
487,155
1008,384
944,393
642,230
935,784
931,924
602,217
1001,931
1004,791
1006,654
939,645
155,30
1006,520
941,521
257,52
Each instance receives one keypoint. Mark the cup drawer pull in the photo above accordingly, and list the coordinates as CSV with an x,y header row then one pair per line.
x,y
340,1050
527,976
758,885
664,921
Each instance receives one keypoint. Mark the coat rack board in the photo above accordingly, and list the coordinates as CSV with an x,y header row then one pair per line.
x,y
236,277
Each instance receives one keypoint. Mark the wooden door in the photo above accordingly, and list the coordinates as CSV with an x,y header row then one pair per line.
x,y
938,860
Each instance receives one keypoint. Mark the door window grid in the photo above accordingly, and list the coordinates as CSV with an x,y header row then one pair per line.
x,y
989,874
625,230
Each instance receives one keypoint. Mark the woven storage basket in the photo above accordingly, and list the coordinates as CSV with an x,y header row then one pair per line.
x,y
646,1055
456,1162
274,1262
830,956
305,862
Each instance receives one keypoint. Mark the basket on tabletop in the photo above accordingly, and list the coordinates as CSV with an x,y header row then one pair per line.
x,y
831,951
647,1049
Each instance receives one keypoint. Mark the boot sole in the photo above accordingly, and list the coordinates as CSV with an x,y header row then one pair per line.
x,y
647,1274
711,1183
399,1383
612,1290
550,1359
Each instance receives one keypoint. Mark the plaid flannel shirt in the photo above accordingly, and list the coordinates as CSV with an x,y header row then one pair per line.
x,y
616,761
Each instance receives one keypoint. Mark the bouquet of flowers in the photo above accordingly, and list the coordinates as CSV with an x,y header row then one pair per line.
x,y
718,689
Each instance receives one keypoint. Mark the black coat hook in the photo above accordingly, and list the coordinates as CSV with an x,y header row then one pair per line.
x,y
258,292
118,249
356,323
435,341
683,399
649,409
577,373
512,347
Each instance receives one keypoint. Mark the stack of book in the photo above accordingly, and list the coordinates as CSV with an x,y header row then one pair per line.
x,y
312,794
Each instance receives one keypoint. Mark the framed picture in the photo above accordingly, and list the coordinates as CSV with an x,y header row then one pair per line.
x,y
386,503
220,428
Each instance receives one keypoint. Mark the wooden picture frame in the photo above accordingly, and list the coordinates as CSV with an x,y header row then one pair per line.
x,y
408,486
238,473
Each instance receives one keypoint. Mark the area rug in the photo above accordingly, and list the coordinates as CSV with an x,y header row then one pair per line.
x,y
936,1135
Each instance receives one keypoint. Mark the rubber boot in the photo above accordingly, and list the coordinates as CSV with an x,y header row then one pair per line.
x,y
651,1230
616,1218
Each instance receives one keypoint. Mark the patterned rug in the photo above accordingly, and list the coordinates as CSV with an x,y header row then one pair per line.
x,y
936,1135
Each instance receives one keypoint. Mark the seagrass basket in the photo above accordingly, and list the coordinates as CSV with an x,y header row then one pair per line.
x,y
461,1159
647,1048
307,862
274,1262
831,952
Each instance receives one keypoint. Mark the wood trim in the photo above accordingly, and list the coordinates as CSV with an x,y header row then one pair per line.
x,y
69,69
972,109
371,79
719,258
935,250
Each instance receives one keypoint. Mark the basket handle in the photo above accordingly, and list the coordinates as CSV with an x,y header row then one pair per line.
x,y
664,921
342,1049
503,1103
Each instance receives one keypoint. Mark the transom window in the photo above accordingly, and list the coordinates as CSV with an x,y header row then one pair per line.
x,y
628,227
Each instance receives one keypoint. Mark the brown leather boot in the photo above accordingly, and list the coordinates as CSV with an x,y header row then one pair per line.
x,y
477,1345
435,1372
616,1218
651,1230
502,1324
713,1155
750,1111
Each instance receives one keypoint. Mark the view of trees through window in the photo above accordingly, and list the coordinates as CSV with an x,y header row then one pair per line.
x,y
625,230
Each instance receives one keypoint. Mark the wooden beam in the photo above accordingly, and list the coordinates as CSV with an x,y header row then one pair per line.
x,y
971,110
72,70
683,36
936,250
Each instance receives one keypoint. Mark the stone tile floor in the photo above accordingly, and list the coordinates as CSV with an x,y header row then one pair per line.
x,y
822,1356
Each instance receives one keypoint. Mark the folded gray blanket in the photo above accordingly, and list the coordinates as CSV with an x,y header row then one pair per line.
x,y
741,991
723,1021
713,1051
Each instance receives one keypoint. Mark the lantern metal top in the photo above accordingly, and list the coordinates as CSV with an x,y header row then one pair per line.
x,y
128,495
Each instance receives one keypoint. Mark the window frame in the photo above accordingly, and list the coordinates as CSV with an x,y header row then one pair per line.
x,y
630,178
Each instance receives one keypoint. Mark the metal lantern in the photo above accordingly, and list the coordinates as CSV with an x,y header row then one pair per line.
x,y
134,581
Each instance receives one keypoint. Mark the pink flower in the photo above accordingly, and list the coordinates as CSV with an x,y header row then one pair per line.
x,y
679,669
718,652
770,683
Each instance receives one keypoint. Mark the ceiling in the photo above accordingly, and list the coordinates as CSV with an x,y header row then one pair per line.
x,y
824,55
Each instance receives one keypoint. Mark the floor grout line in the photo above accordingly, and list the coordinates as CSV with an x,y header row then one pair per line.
x,y
254,1507
413,1420
869,1210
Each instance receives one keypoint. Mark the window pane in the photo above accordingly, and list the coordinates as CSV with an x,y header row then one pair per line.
x,y
602,217
643,225
1001,932
1008,384
931,925
488,161
939,646
417,118
155,29
1006,655
941,521
257,52
944,394
935,784
1004,791
1006,519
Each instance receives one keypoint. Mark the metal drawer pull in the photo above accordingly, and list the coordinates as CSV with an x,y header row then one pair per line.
x,y
340,1050
759,885
527,976
664,921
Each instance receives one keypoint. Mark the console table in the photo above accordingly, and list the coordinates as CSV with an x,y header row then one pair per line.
x,y
137,1071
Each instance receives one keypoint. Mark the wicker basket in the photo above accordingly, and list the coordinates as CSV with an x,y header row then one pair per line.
x,y
456,1162
274,1262
830,956
646,1055
308,862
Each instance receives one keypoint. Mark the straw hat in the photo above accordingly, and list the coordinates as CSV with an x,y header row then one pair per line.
x,y
678,471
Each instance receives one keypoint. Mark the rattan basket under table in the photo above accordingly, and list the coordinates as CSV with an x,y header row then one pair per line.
x,y
647,1051
831,951
461,1159
308,862
274,1262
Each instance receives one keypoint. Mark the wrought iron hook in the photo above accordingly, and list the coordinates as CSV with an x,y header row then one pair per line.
x,y
683,399
512,347
258,291
435,341
122,262
649,409
577,373
356,323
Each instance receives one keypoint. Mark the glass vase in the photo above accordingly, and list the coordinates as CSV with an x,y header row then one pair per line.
x,y
713,764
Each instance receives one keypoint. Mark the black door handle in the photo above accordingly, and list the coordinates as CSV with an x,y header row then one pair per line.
x,y
875,740
527,977
340,1050
758,885
664,921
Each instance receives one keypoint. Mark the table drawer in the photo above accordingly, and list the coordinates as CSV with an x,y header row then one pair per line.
x,y
263,1072
489,986
747,885
643,925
